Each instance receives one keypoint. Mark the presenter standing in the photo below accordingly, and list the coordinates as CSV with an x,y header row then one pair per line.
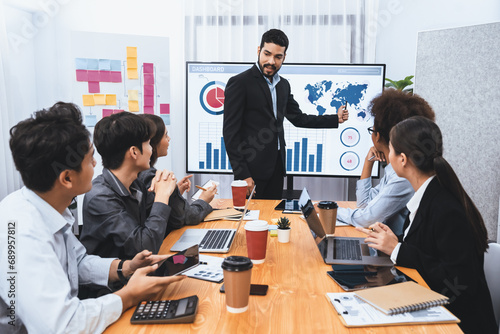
x,y
256,102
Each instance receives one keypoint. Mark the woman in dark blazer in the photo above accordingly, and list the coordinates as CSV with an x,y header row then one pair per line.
x,y
444,235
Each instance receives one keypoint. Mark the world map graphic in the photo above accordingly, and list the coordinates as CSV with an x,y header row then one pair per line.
x,y
327,96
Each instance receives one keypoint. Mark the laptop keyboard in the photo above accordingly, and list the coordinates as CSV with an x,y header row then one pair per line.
x,y
347,249
215,239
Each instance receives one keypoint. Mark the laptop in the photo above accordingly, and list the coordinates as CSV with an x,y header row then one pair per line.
x,y
339,250
210,240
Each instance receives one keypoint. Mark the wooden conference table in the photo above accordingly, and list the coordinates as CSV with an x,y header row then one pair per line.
x,y
295,302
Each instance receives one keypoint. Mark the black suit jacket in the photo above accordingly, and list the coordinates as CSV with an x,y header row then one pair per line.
x,y
440,246
251,131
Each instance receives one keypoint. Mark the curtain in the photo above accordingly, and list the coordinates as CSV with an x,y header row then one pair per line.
x,y
320,31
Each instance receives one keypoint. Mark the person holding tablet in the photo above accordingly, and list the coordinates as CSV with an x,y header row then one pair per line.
x,y
444,234
385,202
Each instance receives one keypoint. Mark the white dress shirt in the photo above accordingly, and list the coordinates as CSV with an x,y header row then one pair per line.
x,y
49,265
412,206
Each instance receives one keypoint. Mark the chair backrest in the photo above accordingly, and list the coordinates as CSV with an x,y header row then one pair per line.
x,y
492,273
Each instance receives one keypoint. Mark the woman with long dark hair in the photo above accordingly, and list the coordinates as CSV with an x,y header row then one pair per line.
x,y
444,236
182,213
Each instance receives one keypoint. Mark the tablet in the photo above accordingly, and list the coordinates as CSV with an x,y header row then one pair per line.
x,y
178,263
364,277
289,206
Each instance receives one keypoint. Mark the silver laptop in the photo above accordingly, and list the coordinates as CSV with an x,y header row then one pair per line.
x,y
339,250
210,240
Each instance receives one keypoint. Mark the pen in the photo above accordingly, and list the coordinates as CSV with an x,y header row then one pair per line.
x,y
342,309
201,188
371,158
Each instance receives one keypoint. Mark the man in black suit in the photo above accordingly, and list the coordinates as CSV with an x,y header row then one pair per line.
x,y
256,101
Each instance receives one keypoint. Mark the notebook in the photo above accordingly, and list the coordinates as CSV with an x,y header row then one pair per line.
x,y
403,297
339,250
354,312
210,240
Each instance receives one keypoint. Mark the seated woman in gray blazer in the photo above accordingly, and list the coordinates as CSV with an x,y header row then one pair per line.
x,y
444,236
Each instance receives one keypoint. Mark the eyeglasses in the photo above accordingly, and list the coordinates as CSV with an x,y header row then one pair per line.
x,y
370,130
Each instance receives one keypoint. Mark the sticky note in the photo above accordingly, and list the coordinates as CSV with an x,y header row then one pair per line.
x,y
94,87
93,75
88,100
105,64
131,63
81,63
116,76
149,100
273,233
149,89
82,75
166,119
116,65
149,110
132,74
105,76
116,111
100,99
148,67
90,120
131,51
111,99
92,64
133,106
107,112
165,108
133,94
149,79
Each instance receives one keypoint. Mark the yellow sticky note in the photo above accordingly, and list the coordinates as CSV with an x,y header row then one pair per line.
x,y
88,100
131,51
131,63
133,94
100,99
133,106
132,73
111,99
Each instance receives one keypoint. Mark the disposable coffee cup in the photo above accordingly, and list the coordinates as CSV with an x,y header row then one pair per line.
x,y
328,215
239,190
256,234
237,272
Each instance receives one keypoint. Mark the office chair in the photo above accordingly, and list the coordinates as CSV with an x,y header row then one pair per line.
x,y
492,273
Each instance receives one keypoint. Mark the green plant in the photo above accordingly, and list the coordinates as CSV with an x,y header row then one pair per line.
x,y
283,223
401,84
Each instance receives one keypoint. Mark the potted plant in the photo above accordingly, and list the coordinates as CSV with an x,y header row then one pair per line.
x,y
401,84
283,230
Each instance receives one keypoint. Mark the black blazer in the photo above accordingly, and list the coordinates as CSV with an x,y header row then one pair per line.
x,y
440,246
251,132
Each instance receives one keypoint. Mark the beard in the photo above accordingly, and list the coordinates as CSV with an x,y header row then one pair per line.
x,y
268,66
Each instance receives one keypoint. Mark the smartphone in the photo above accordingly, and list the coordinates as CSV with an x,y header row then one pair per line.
x,y
178,263
255,289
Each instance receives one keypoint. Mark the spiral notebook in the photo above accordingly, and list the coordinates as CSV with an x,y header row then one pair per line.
x,y
401,298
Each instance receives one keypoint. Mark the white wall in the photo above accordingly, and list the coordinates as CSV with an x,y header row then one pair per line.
x,y
401,20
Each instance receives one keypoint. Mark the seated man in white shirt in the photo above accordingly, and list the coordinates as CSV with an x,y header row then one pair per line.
x,y
385,202
42,262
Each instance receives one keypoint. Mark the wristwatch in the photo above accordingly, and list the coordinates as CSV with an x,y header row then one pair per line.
x,y
119,271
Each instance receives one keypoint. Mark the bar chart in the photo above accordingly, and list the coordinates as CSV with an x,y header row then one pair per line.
x,y
305,150
212,150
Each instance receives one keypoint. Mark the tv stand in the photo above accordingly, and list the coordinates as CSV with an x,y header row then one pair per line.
x,y
289,192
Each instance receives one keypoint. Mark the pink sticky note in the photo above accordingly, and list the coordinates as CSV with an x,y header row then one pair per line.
x,y
149,79
149,110
105,76
116,111
116,76
149,100
149,89
164,108
94,87
148,67
93,75
82,75
106,112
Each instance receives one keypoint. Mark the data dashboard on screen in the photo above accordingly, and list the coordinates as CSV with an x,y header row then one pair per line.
x,y
320,89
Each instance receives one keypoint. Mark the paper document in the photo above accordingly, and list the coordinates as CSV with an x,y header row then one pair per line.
x,y
208,270
206,185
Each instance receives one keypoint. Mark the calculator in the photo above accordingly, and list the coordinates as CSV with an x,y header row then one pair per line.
x,y
181,311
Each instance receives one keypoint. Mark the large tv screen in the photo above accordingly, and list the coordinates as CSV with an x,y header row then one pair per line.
x,y
319,89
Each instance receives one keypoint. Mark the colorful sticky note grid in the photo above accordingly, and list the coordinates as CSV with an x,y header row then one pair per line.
x,y
105,76
148,67
133,95
116,76
149,100
100,99
149,79
133,106
93,76
81,63
149,89
116,65
149,110
111,99
92,64
88,100
131,51
164,108
94,87
105,64
82,75
132,73
131,63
